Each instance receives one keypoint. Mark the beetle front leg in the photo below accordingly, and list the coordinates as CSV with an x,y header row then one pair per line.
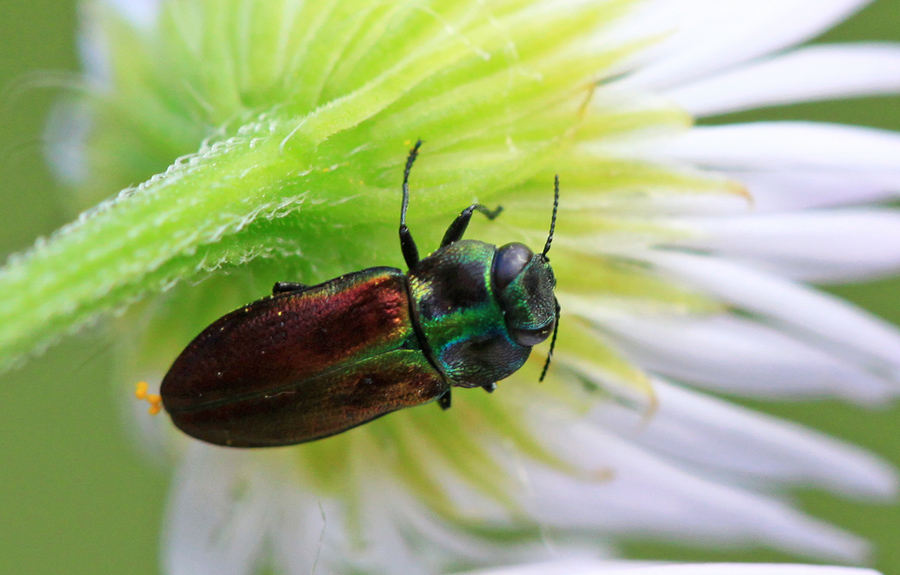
x,y
285,287
444,400
458,227
489,387
407,244
408,247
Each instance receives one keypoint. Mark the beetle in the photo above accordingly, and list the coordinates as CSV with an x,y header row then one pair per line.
x,y
309,362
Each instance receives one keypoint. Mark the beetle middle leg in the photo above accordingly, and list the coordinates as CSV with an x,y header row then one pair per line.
x,y
444,400
458,227
285,287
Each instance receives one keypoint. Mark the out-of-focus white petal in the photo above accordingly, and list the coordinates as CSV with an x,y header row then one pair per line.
x,y
67,129
740,445
705,36
603,568
233,511
217,515
93,46
565,566
820,246
148,432
306,533
737,355
773,146
439,544
829,322
387,548
295,544
627,490
814,73
140,12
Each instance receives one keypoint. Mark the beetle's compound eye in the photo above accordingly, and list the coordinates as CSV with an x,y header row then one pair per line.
x,y
532,337
510,260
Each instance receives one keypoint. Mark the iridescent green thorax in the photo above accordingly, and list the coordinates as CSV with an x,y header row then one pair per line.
x,y
455,304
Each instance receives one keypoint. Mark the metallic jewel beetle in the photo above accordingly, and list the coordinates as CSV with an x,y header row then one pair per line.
x,y
312,361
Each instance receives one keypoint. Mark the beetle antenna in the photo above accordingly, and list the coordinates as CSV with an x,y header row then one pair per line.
x,y
413,153
552,340
553,219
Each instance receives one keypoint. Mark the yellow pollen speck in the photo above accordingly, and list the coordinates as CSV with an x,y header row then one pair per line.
x,y
279,313
153,399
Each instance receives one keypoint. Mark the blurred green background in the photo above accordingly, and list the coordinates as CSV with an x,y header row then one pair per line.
x,y
77,497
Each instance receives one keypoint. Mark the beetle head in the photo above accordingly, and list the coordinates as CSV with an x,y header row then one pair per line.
x,y
524,283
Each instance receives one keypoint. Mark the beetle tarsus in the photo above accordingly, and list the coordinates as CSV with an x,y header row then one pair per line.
x,y
490,387
444,400
285,287
458,227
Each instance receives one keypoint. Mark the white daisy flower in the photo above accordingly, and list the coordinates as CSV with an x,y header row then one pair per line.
x,y
278,131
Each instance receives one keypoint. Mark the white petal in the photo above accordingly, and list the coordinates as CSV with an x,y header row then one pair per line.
x,y
785,165
629,491
148,432
446,545
233,511
387,548
773,146
92,43
217,515
707,36
737,355
738,444
142,13
603,568
559,567
826,321
815,73
790,190
822,246
306,532
67,130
